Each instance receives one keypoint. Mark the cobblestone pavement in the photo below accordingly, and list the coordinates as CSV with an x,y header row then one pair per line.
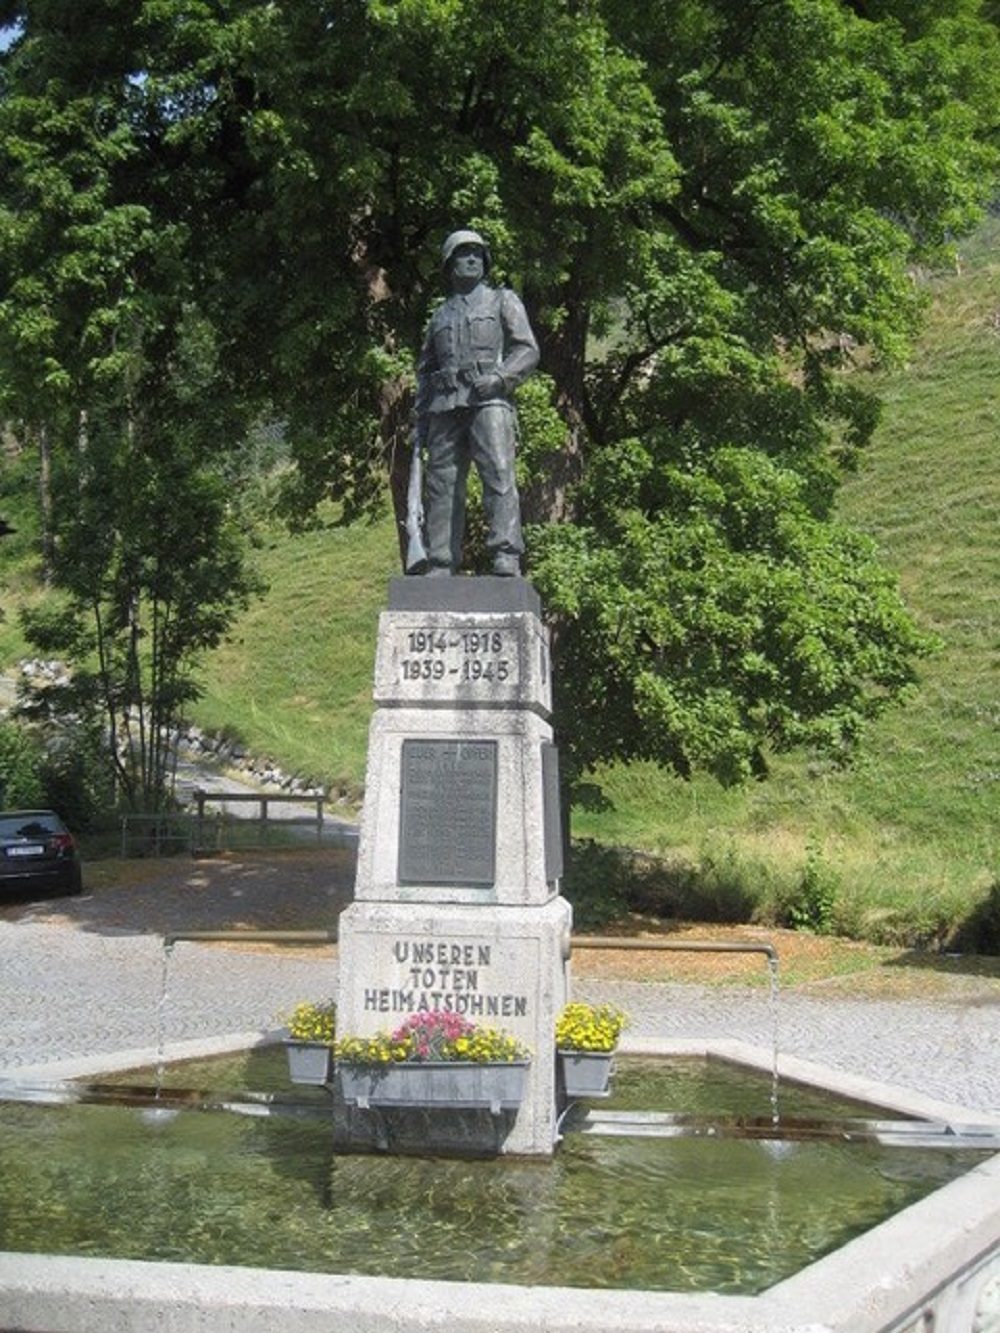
x,y
942,1049
86,976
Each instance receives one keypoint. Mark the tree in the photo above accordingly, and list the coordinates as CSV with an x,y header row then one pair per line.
x,y
710,208
109,354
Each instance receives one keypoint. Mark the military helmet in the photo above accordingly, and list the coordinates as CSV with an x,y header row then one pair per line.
x,y
458,238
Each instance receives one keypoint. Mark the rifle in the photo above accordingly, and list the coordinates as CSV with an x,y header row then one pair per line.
x,y
416,552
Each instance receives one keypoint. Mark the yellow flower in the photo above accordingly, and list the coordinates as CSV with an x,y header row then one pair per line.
x,y
312,1022
586,1027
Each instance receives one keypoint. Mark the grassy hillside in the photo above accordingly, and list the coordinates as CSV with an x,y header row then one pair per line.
x,y
294,679
908,840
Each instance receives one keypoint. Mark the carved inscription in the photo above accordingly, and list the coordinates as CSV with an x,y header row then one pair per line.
x,y
448,812
443,976
458,656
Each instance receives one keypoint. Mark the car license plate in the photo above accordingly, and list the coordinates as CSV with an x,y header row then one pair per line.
x,y
28,849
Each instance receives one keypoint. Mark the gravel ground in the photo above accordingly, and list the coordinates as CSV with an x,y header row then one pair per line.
x,y
85,976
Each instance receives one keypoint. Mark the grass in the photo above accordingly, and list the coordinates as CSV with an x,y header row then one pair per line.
x,y
293,680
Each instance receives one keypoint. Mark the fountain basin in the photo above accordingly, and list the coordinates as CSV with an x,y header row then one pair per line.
x,y
940,1255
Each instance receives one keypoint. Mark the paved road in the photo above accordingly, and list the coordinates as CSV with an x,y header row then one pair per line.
x,y
85,976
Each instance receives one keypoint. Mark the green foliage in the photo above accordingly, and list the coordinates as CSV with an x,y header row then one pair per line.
x,y
604,883
596,883
814,903
67,771
77,775
981,932
21,759
152,573
712,210
722,620
113,360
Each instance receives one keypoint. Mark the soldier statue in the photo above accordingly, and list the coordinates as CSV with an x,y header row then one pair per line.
x,y
479,347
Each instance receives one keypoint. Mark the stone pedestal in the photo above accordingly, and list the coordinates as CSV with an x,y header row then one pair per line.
x,y
456,900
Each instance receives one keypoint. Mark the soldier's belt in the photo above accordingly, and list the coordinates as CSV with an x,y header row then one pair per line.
x,y
447,381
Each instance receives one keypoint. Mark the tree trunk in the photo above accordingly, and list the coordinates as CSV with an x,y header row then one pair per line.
x,y
45,503
549,498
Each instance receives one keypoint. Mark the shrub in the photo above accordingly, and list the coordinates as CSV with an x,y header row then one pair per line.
x,y
980,933
814,903
596,883
21,760
76,775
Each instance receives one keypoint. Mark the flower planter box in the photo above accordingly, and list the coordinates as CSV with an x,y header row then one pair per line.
x,y
586,1073
309,1062
446,1085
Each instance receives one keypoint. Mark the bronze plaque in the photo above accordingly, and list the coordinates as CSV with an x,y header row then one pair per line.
x,y
448,813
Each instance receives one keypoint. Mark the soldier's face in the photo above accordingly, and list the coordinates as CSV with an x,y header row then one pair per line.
x,y
468,264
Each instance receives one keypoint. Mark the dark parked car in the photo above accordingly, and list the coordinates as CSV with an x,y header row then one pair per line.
x,y
37,852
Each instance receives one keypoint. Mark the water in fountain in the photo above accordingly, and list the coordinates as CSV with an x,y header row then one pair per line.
x,y
695,1212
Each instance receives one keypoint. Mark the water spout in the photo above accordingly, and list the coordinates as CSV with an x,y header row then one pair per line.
x,y
582,942
609,942
251,936
677,946
158,1114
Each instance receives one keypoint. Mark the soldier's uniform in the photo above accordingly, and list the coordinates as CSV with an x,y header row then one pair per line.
x,y
484,332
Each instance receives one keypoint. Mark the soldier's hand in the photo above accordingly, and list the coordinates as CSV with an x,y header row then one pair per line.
x,y
488,386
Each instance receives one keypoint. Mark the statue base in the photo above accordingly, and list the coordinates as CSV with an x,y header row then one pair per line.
x,y
457,905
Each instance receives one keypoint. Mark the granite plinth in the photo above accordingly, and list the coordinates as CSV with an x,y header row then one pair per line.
x,y
456,895
521,871
449,658
463,593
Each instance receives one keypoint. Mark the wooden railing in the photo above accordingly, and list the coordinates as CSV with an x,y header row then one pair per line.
x,y
265,802
207,829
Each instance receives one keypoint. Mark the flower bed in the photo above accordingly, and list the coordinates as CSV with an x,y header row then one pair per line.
x,y
433,1060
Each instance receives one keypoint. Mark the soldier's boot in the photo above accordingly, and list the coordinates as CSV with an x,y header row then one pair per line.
x,y
506,566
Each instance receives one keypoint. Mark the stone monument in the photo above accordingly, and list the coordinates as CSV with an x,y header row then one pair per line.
x,y
457,905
